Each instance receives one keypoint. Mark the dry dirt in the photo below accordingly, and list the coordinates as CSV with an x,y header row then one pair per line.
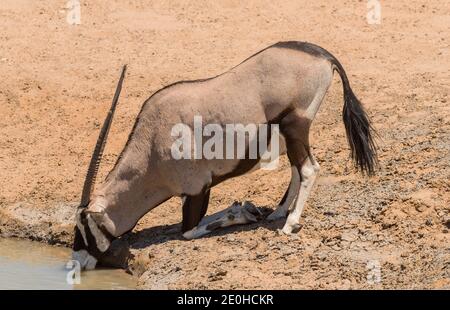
x,y
57,81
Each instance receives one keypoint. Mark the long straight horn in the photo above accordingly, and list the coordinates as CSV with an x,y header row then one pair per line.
x,y
101,141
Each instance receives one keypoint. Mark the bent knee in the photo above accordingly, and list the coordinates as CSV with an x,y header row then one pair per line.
x,y
309,170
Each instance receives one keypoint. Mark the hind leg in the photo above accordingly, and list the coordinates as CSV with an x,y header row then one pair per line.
x,y
289,197
295,128
308,173
194,209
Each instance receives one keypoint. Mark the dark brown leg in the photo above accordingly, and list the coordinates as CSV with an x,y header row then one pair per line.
x,y
194,208
283,200
295,129
289,197
205,203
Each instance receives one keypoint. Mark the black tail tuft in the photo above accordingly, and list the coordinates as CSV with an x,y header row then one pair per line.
x,y
357,126
359,134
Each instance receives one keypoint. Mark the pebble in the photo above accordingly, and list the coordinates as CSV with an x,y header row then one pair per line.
x,y
216,276
336,247
447,221
349,236
231,238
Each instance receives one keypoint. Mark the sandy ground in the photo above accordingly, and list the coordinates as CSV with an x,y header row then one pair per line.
x,y
57,80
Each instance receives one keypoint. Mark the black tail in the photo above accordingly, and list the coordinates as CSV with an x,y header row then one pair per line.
x,y
357,126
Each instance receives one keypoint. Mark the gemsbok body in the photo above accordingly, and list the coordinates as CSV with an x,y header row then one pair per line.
x,y
283,84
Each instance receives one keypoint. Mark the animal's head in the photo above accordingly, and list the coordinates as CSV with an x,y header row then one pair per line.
x,y
93,243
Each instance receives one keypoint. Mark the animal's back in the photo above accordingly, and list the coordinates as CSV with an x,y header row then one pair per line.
x,y
257,91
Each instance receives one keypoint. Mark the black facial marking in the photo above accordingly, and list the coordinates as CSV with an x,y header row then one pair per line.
x,y
116,256
78,242
92,243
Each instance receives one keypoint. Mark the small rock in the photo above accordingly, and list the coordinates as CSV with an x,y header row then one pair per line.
x,y
447,221
387,225
260,256
322,256
330,213
231,238
217,276
421,208
349,236
336,247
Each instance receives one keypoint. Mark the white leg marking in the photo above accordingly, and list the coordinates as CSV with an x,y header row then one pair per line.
x,y
282,210
309,171
234,215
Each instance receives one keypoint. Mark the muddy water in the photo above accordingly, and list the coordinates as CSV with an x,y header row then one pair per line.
x,y
32,265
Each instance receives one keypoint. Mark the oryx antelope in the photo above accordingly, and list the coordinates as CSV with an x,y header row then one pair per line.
x,y
283,84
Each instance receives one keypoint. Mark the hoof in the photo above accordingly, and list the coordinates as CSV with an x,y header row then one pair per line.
x,y
291,229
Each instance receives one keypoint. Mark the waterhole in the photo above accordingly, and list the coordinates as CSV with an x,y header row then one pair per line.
x,y
33,265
